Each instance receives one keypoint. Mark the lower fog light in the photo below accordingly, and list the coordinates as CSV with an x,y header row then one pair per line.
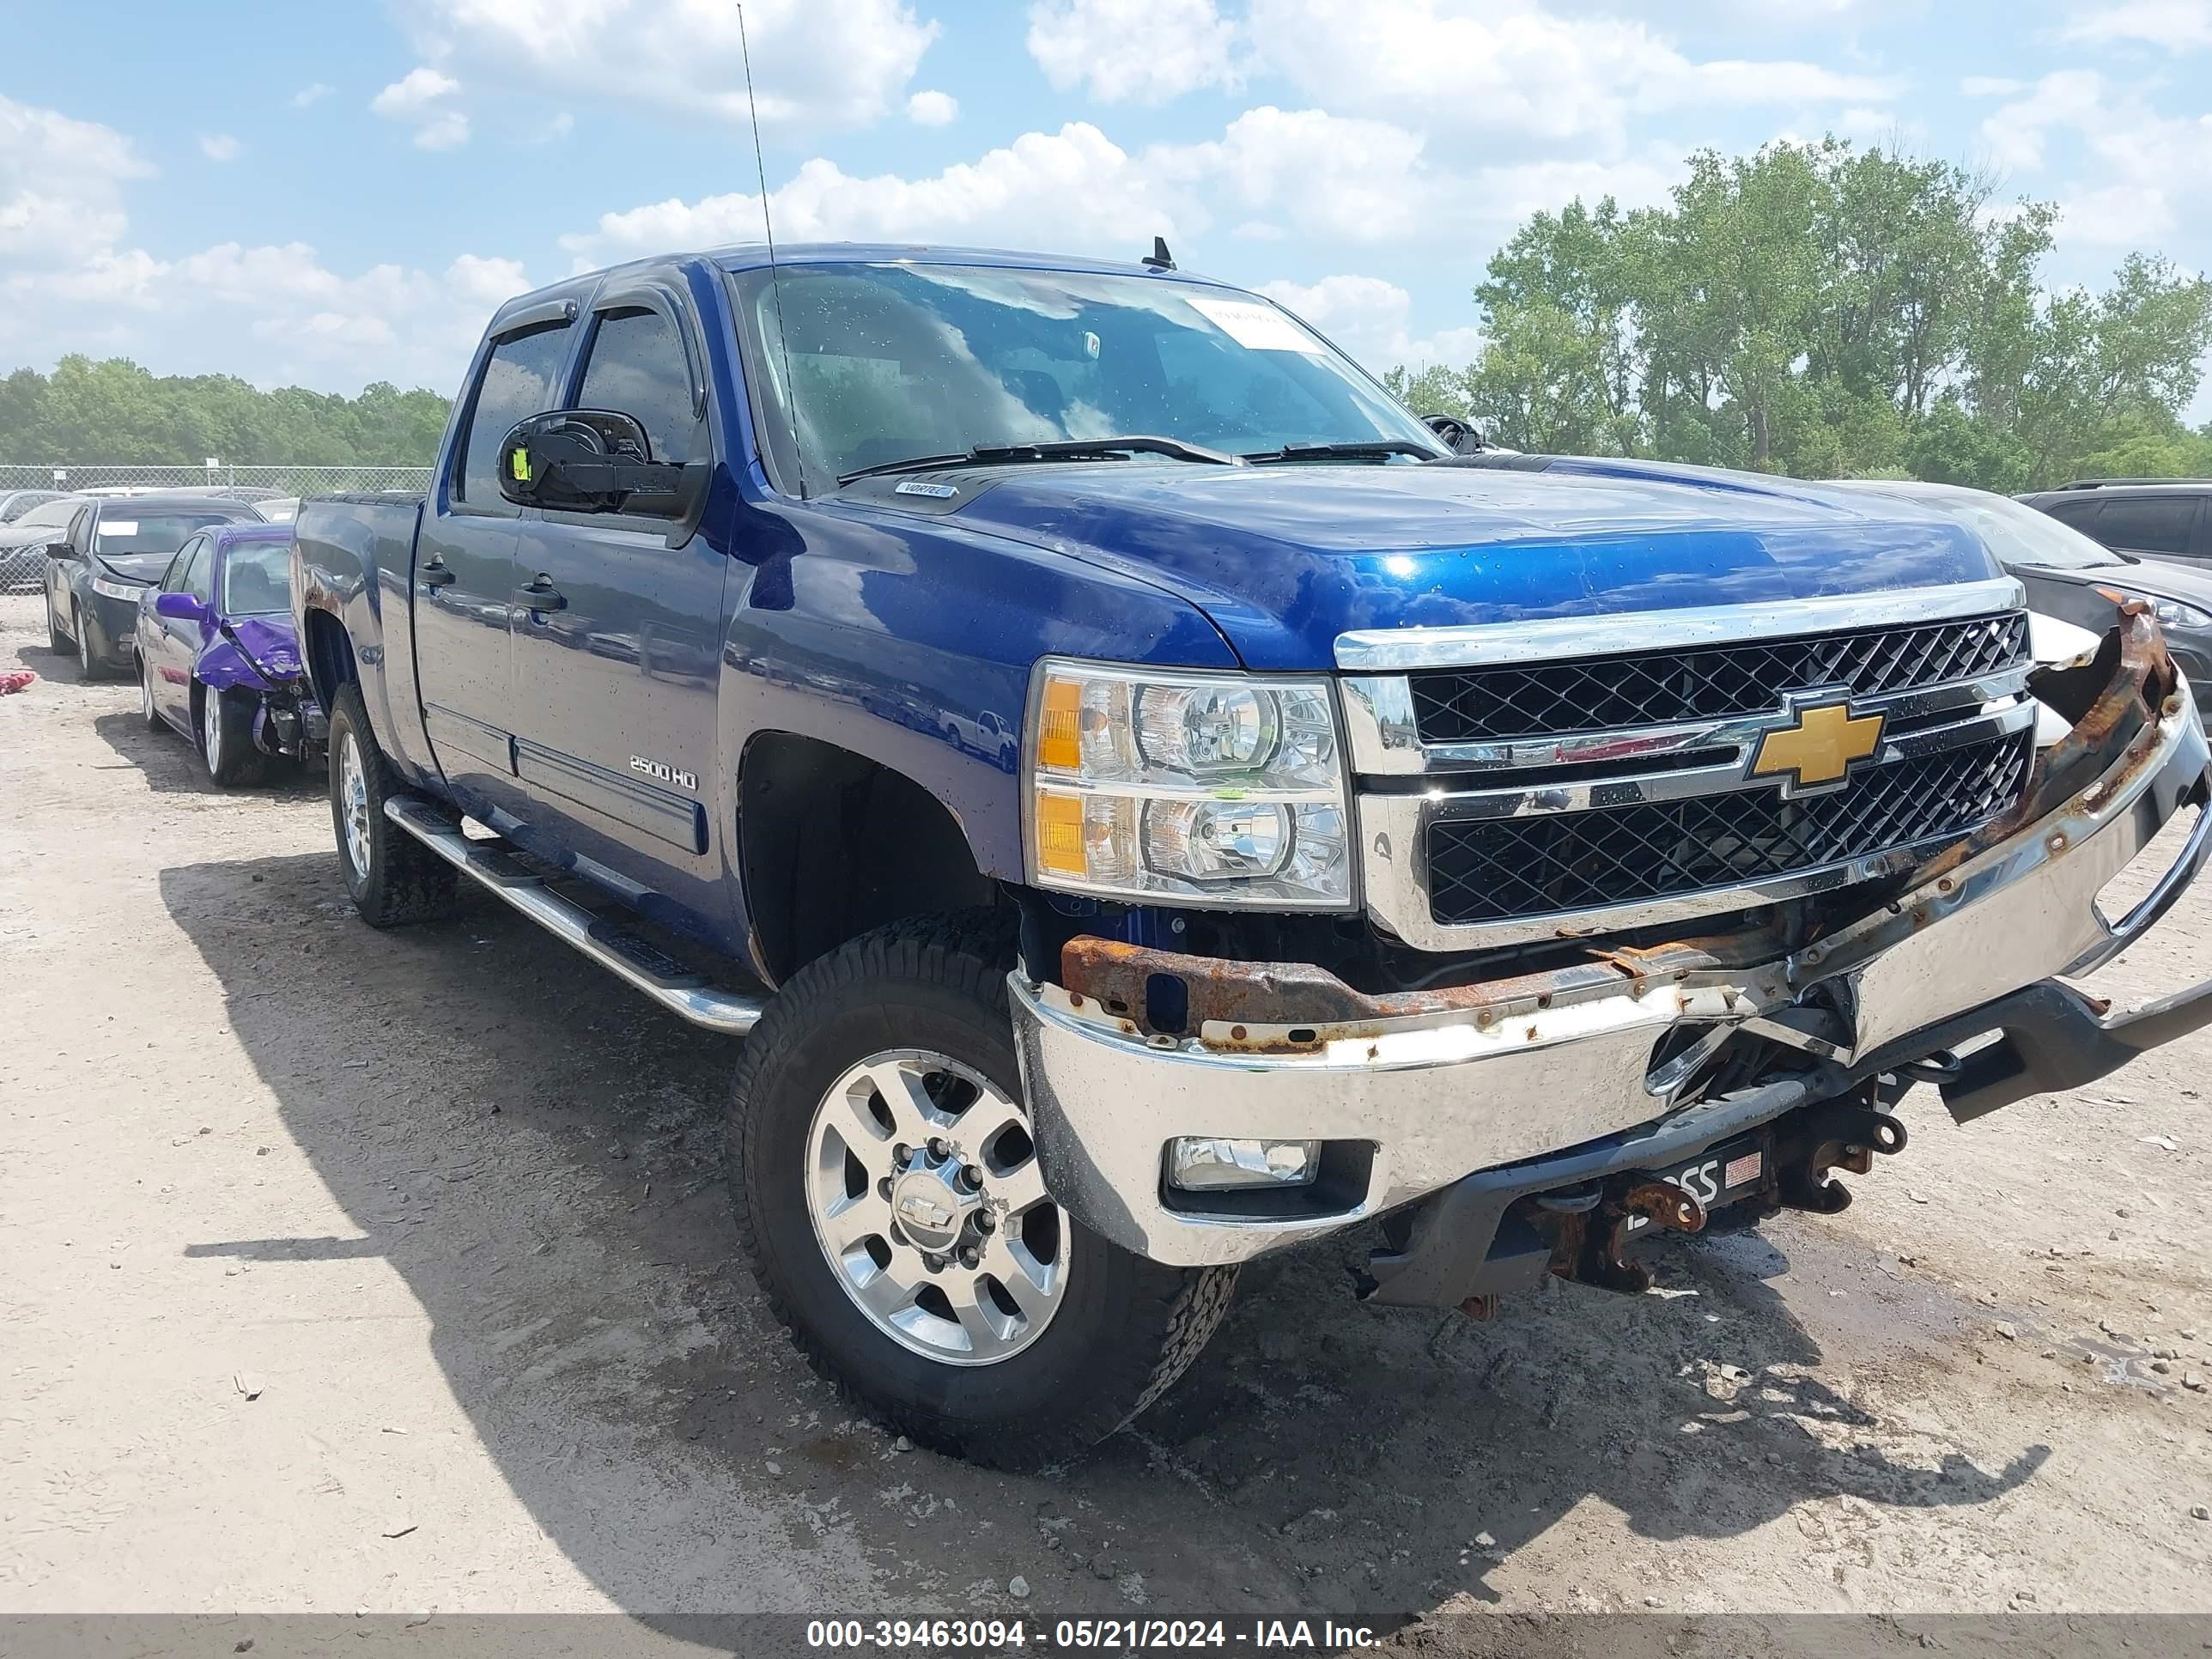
x,y
1206,1162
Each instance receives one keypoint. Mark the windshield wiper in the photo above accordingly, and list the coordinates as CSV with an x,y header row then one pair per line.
x,y
1057,449
1374,449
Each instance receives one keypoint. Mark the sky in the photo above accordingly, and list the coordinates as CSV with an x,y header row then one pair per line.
x,y
326,195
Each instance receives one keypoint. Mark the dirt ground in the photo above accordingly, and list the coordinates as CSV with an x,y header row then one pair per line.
x,y
346,1271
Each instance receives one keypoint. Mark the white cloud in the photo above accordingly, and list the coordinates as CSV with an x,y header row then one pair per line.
x,y
816,63
2175,24
1517,68
1990,86
1072,189
220,147
421,97
1144,51
414,93
2141,174
933,109
1367,316
1358,181
313,92
61,184
307,323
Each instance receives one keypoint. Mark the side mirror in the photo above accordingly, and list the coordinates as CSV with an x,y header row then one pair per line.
x,y
1459,435
60,550
182,607
590,460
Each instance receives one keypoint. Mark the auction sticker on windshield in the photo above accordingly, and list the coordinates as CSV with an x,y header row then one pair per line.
x,y
1257,327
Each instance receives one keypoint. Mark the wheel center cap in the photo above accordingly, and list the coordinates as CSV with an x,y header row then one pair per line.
x,y
931,1210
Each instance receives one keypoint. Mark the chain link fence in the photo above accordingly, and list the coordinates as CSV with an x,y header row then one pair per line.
x,y
280,480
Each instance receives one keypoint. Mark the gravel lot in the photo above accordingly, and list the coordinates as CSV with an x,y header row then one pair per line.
x,y
342,1270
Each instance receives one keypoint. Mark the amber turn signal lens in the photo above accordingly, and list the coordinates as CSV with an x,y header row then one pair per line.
x,y
1060,733
1060,834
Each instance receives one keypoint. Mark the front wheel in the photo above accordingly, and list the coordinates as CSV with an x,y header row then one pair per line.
x,y
147,709
888,1196
226,737
56,642
88,667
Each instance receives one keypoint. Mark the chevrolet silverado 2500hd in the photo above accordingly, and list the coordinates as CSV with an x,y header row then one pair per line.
x,y
1150,803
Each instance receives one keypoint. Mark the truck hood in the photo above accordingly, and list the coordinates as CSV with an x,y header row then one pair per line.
x,y
1284,559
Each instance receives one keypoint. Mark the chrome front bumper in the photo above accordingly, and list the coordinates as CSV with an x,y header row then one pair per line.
x,y
1438,1095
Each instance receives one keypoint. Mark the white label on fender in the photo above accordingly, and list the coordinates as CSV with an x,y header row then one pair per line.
x,y
1257,327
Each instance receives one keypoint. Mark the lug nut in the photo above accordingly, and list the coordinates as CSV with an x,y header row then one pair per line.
x,y
969,1257
934,1263
884,1189
901,1152
972,1176
985,1222
936,1148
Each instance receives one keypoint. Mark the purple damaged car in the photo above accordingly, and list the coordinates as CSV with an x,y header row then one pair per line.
x,y
217,658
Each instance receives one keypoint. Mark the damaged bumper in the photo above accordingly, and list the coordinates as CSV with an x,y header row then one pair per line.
x,y
1486,1096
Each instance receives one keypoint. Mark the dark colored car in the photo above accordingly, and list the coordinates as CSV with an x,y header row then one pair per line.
x,y
2072,578
2155,518
24,539
15,503
116,547
217,656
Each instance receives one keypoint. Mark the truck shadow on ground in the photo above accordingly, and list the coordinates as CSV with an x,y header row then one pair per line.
x,y
537,1151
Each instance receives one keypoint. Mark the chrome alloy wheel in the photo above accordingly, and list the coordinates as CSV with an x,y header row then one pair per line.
x,y
146,691
923,1186
353,804
211,729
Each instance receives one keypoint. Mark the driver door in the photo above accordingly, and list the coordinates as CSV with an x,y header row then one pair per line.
x,y
175,645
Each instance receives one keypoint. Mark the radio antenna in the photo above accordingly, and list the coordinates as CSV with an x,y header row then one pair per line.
x,y
775,286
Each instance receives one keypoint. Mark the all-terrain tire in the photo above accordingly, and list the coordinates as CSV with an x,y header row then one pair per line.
x,y
393,878
226,738
1126,1327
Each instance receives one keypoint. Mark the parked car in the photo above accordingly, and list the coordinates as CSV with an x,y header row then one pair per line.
x,y
218,658
114,548
1524,856
23,542
15,503
2075,580
278,509
2153,518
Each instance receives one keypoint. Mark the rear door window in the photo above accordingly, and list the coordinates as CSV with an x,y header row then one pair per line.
x,y
2148,524
2081,515
521,379
637,367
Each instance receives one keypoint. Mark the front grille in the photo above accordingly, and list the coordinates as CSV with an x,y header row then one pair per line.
x,y
1483,870
1658,688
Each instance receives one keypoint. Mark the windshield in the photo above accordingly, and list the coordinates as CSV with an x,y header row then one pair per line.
x,y
881,363
2020,534
124,533
257,579
59,512
12,510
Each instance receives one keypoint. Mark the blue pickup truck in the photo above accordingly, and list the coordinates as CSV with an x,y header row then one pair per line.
x,y
1150,803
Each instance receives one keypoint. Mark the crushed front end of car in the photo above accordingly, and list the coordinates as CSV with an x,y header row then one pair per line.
x,y
1654,941
259,657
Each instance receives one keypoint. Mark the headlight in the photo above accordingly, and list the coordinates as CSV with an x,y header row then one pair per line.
x,y
1214,789
2171,613
127,592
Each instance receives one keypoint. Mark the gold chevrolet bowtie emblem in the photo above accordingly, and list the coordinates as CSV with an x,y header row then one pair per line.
x,y
1818,748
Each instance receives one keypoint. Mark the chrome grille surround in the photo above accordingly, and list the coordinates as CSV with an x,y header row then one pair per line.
x,y
1413,787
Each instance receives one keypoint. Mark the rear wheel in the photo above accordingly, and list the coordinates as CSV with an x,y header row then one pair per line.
x,y
227,737
391,877
888,1196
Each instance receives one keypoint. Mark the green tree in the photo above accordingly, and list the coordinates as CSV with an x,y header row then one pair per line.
x,y
116,412
1831,311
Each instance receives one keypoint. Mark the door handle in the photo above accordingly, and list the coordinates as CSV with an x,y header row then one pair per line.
x,y
435,574
540,595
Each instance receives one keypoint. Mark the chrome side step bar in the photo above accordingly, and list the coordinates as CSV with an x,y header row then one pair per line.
x,y
667,982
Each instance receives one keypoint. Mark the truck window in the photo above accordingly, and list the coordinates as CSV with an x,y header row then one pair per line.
x,y
637,367
2148,524
519,380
